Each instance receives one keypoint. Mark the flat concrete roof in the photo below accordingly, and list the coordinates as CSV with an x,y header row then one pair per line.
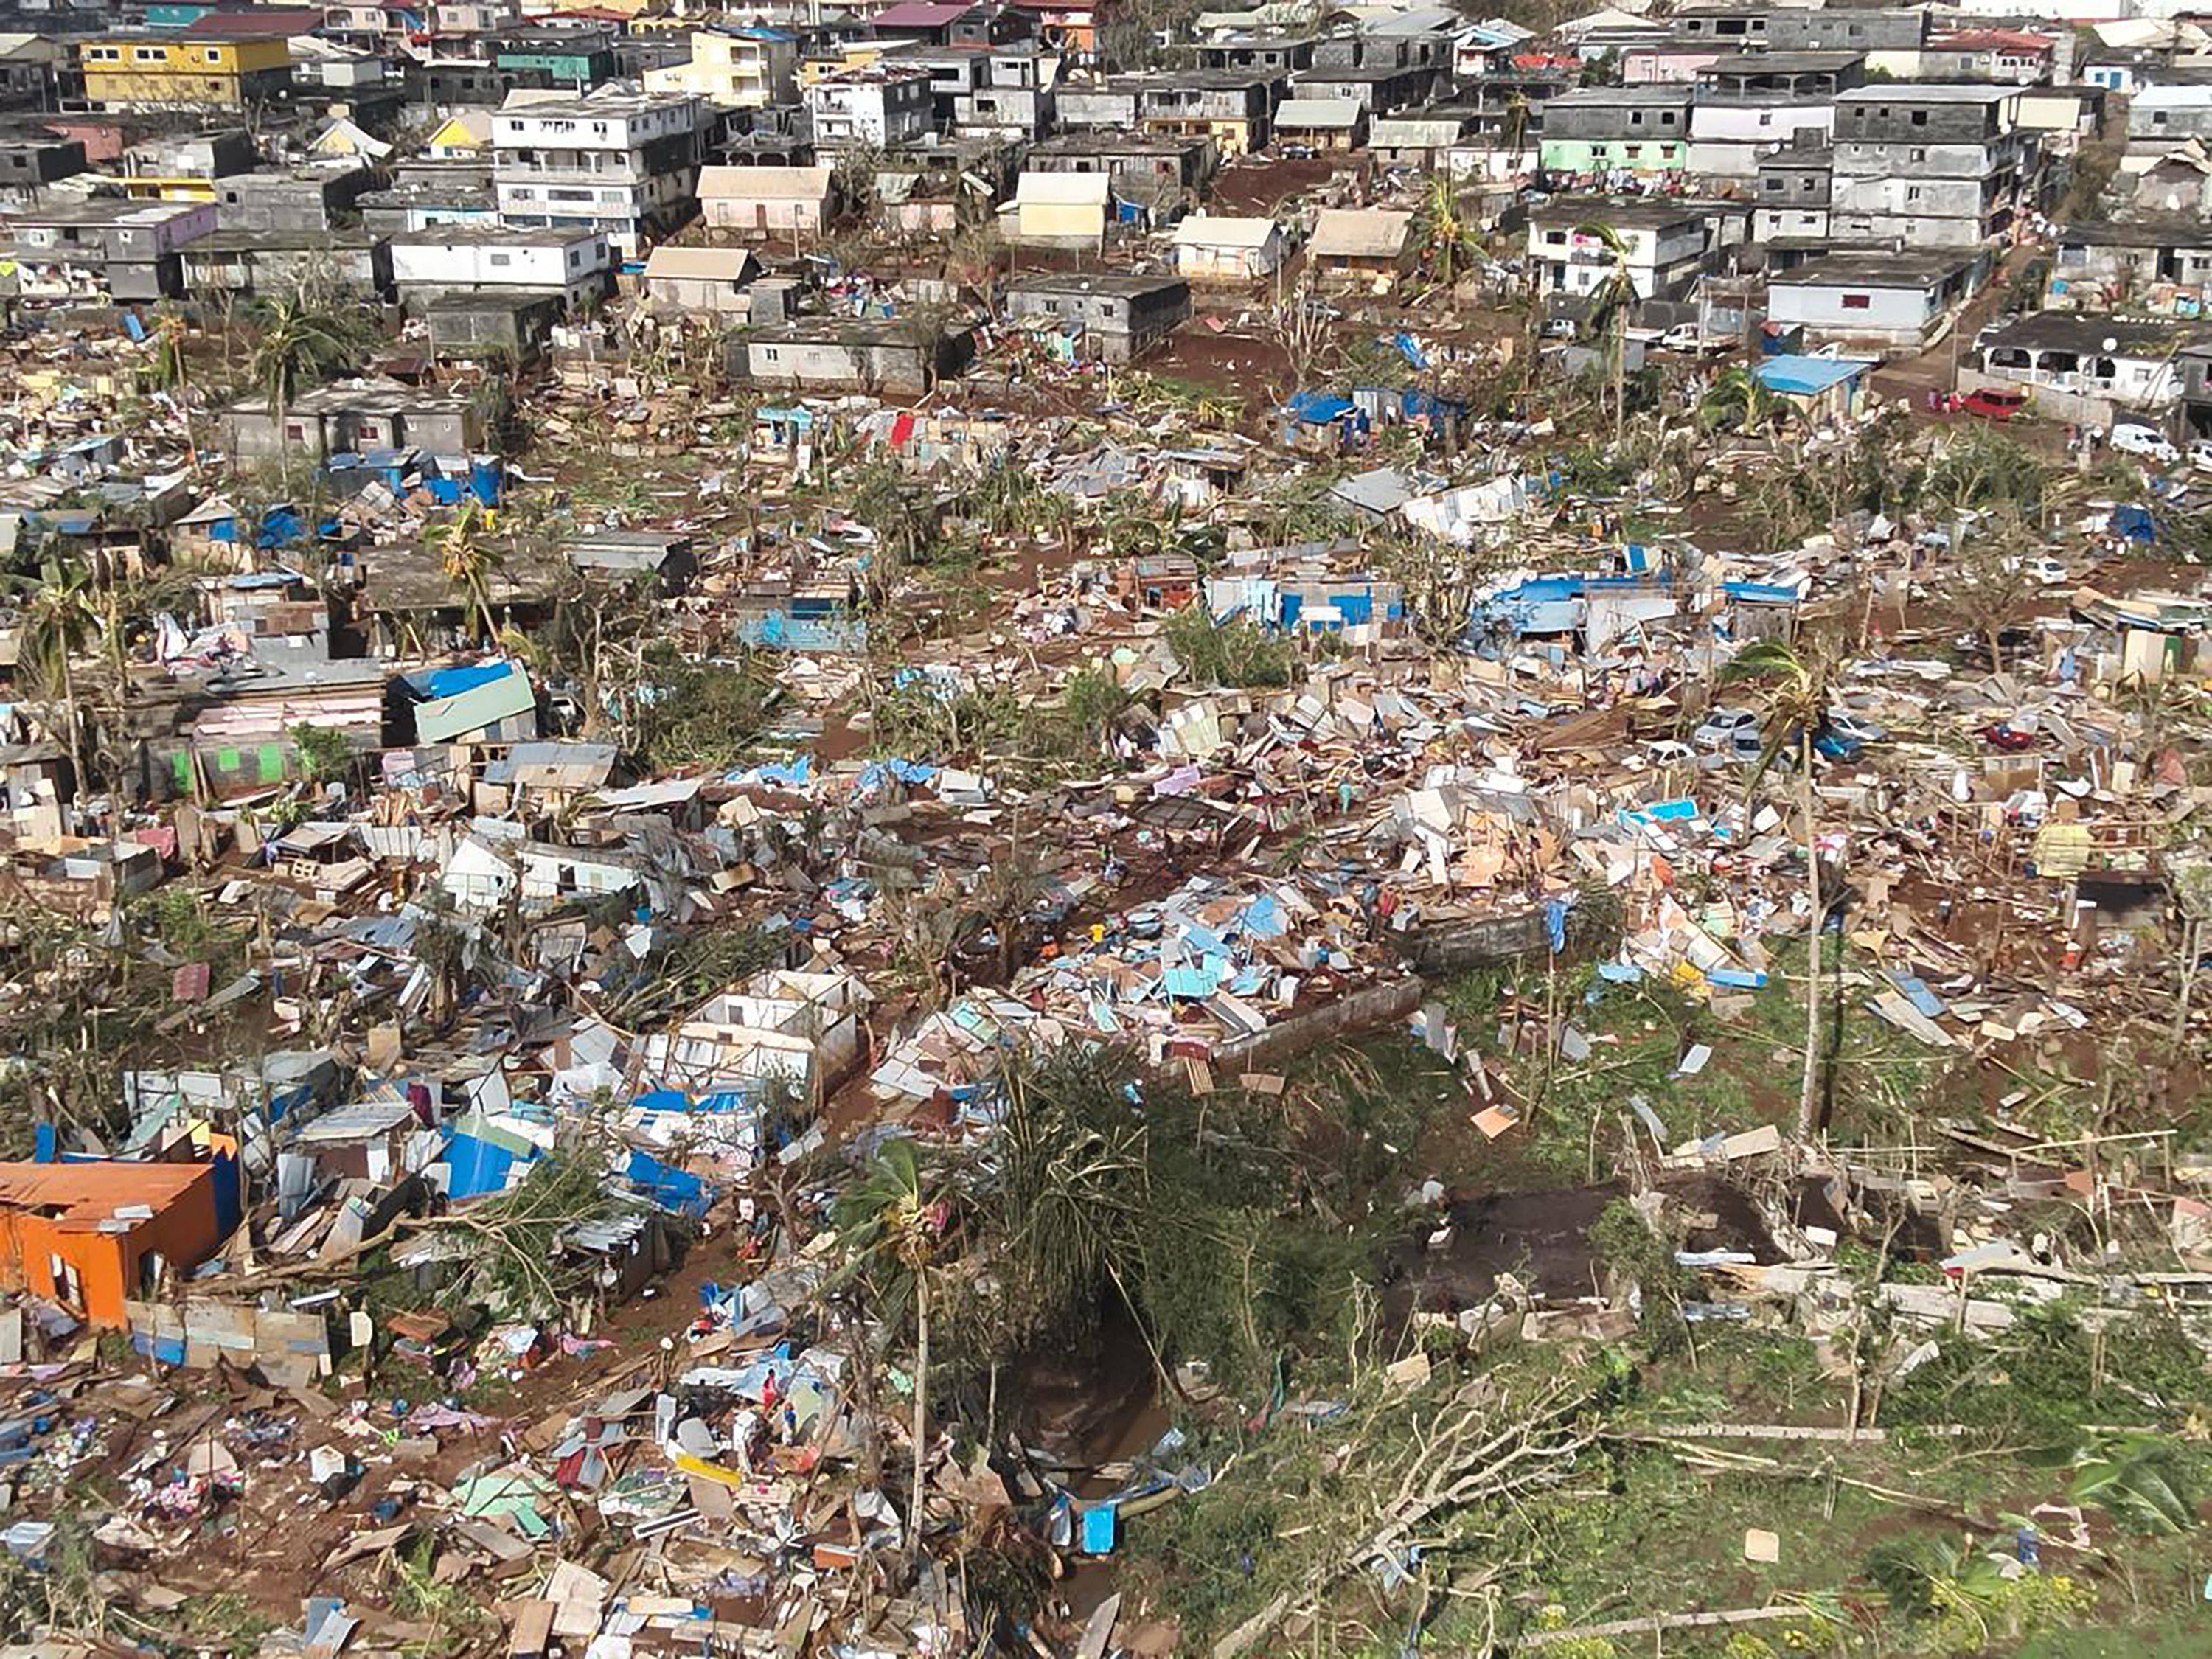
x,y
1782,63
1128,284
1912,92
1607,210
1860,269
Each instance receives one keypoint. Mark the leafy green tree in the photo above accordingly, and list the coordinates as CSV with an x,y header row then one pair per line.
x,y
1980,467
1963,1597
698,714
1235,654
1092,702
2144,1481
324,753
1742,402
1990,583
2190,880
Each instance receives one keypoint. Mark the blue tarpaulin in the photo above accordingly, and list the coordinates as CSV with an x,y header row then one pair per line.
x,y
1319,408
1806,377
669,1188
452,682
875,774
476,1167
1100,1526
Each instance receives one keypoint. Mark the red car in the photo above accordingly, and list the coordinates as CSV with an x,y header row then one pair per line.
x,y
1993,406
2005,738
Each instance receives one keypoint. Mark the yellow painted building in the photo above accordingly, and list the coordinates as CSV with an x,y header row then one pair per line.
x,y
842,58
126,71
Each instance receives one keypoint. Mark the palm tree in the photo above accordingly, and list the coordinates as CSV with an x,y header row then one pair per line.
x,y
469,561
62,617
893,1233
299,342
1796,688
173,372
1610,302
1740,401
1448,240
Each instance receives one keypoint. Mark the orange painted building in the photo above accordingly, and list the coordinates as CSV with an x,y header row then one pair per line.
x,y
1069,25
87,1234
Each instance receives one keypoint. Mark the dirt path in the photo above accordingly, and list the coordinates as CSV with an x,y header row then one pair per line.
x,y
1937,369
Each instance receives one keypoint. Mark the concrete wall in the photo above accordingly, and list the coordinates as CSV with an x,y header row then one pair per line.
x,y
2048,402
252,202
1459,946
1363,1011
1667,155
1792,30
1901,120
1876,159
894,366
1891,316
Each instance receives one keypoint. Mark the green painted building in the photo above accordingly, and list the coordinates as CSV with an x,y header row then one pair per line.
x,y
1617,129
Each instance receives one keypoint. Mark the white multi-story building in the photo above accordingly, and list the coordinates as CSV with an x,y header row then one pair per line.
x,y
624,164
878,107
429,265
473,16
1751,104
1662,246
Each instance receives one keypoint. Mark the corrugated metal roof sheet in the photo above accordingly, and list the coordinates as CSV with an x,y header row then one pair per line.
x,y
763,184
1317,112
87,1194
443,719
1361,232
1219,230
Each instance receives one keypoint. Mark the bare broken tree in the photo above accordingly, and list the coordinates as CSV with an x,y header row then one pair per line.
x,y
1476,1453
1300,323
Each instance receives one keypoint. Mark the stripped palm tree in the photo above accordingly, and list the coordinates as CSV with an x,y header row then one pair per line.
x,y
1610,302
1795,687
1516,121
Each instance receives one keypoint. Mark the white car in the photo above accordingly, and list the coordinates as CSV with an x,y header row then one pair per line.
x,y
1688,337
2200,454
1729,730
2145,441
2048,572
1857,728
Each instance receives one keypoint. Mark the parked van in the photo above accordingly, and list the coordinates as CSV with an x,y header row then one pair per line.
x,y
2146,441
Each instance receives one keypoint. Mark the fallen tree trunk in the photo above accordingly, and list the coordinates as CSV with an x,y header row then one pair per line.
x,y
1656,1626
